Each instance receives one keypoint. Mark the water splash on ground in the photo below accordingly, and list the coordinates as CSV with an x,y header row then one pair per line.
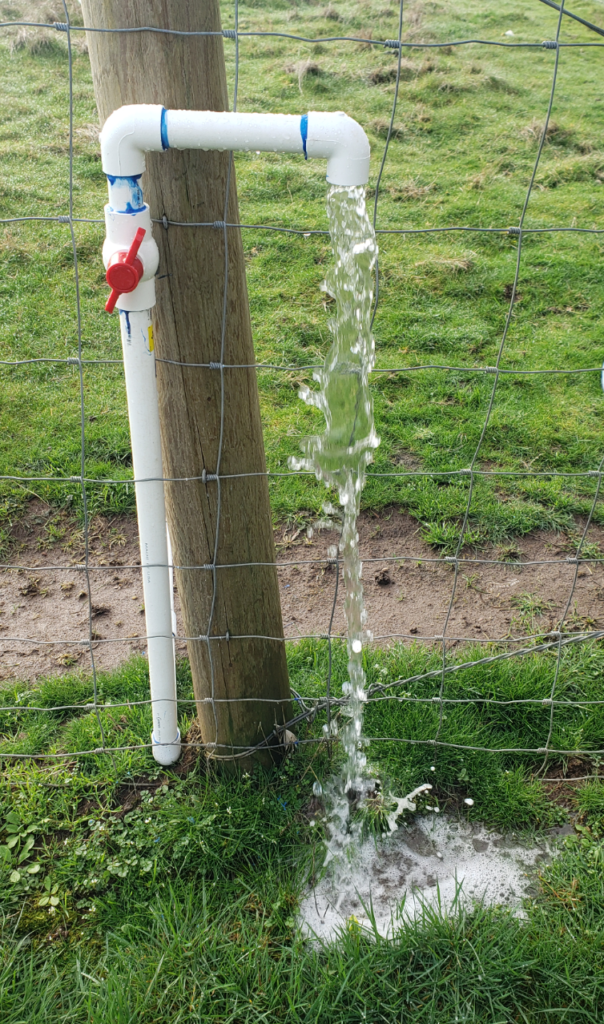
x,y
339,457
433,865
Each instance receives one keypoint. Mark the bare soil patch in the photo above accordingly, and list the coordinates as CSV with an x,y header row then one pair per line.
x,y
408,587
47,596
44,591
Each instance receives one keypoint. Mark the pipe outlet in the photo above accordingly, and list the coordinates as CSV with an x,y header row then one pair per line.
x,y
343,143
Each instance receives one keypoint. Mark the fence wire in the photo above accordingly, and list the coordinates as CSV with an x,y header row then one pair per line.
x,y
555,641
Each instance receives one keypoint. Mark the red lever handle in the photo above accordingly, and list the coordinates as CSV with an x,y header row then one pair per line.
x,y
124,271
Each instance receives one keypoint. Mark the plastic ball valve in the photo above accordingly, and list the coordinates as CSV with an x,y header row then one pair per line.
x,y
124,271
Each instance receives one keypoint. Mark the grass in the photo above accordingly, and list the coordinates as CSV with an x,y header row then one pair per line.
x,y
131,895
467,130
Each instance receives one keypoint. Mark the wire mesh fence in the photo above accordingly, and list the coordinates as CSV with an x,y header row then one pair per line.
x,y
504,648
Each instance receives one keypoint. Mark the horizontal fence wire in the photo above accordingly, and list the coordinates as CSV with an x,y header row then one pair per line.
x,y
236,34
554,641
446,560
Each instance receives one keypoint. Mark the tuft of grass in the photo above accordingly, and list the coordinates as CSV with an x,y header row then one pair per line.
x,y
531,608
445,536
554,133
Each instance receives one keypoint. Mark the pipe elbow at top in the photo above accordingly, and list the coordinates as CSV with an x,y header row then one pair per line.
x,y
129,133
342,142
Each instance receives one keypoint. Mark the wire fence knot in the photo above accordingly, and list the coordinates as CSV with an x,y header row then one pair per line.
x,y
215,366
229,33
514,231
61,26
219,224
63,220
73,361
394,44
205,476
550,44
165,221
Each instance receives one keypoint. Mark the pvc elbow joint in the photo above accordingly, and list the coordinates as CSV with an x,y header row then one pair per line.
x,y
129,133
342,142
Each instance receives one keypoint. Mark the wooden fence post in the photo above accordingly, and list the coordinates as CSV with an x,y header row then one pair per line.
x,y
210,418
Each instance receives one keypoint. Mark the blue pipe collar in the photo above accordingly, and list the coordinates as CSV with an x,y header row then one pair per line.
x,y
164,128
304,133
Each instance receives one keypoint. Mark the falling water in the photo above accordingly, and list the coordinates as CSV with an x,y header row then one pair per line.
x,y
340,455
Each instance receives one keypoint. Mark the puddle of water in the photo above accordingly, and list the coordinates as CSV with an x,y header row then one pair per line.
x,y
436,862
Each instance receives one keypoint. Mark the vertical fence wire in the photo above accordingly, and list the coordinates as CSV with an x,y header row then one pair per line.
x,y
500,352
76,273
577,561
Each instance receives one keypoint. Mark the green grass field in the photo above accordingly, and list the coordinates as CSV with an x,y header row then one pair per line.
x,y
182,907
467,128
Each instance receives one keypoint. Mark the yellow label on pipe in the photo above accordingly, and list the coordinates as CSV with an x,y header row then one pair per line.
x,y
151,342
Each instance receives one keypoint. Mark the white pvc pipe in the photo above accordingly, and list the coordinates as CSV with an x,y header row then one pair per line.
x,y
171,583
127,135
139,370
132,131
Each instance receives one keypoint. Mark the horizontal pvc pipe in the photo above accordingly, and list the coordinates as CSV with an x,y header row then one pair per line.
x,y
139,369
132,131
208,129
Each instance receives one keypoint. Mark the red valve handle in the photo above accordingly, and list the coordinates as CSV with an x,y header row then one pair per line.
x,y
124,271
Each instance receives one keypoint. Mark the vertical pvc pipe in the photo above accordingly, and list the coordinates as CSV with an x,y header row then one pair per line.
x,y
171,564
143,413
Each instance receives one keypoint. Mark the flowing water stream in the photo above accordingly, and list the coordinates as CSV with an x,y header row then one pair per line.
x,y
427,860
340,455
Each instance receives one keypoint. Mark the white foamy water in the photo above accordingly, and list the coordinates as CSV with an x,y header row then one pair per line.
x,y
437,862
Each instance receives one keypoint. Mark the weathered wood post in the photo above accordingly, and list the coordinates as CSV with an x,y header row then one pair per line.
x,y
210,418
